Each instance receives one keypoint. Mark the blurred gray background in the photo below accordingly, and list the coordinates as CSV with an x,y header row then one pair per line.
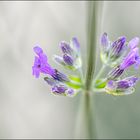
x,y
27,109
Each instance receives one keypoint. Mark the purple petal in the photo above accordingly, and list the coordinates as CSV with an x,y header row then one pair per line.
x,y
36,61
38,50
47,69
130,59
40,63
35,72
133,43
137,64
43,58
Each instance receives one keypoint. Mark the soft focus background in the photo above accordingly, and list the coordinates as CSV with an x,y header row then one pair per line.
x,y
27,109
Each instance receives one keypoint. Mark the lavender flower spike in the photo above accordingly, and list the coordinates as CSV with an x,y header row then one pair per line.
x,y
60,83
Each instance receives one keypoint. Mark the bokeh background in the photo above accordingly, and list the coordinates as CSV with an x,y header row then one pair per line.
x,y
27,109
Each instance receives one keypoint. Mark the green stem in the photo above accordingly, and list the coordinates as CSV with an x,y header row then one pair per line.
x,y
86,119
91,45
85,122
99,73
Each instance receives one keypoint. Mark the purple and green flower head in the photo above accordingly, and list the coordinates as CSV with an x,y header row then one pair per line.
x,y
61,84
119,55
112,52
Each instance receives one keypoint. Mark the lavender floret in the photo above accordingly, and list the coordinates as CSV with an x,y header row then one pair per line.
x,y
68,59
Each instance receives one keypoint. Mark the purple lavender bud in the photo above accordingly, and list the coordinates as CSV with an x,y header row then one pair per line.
x,y
126,83
76,43
38,50
133,43
117,47
132,80
121,87
111,85
59,89
50,81
123,84
68,59
60,76
70,91
104,40
132,58
115,73
59,60
65,47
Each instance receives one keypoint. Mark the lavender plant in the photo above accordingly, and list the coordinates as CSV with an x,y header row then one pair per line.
x,y
118,55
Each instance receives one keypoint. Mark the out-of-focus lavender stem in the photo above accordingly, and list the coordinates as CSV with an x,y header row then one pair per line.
x,y
91,37
85,121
